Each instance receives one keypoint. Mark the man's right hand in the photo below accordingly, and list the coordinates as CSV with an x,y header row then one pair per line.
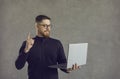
x,y
29,43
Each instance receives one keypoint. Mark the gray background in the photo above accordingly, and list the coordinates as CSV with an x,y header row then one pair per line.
x,y
74,21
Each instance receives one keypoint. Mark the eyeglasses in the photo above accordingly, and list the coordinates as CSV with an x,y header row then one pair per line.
x,y
45,25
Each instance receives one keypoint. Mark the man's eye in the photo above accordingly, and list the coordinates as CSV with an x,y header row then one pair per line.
x,y
46,25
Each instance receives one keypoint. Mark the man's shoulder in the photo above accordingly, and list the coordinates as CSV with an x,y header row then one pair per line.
x,y
54,39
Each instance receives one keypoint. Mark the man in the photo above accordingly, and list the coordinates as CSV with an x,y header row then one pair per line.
x,y
41,52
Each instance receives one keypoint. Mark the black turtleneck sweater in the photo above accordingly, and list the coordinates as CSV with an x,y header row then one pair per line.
x,y
45,52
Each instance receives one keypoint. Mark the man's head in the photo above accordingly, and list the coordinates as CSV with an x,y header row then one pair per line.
x,y
43,25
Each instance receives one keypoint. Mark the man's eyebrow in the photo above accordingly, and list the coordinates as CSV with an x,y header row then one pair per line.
x,y
44,24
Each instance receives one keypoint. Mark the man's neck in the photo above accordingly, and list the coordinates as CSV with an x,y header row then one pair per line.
x,y
39,35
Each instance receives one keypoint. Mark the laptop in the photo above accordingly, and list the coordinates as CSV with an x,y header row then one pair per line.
x,y
77,53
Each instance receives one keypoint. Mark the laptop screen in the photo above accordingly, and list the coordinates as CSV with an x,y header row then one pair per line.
x,y
77,54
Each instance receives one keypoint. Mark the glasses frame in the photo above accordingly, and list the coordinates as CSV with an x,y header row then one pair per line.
x,y
45,25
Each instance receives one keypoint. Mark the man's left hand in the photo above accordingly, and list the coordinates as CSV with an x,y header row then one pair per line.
x,y
74,67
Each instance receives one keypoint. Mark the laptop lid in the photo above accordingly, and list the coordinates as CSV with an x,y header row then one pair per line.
x,y
77,53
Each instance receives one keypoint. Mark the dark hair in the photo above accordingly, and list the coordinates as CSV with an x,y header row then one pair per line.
x,y
39,18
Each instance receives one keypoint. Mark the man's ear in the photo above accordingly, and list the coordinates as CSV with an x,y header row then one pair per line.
x,y
36,25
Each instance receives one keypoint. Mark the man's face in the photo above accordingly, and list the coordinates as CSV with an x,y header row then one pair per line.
x,y
44,28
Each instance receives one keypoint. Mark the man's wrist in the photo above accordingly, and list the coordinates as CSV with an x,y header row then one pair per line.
x,y
69,70
26,50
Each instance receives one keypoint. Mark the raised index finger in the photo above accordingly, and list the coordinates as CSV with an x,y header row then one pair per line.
x,y
28,37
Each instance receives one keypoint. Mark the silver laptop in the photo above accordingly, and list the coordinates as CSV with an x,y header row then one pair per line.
x,y
77,53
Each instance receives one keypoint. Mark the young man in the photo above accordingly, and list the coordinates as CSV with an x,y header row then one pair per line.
x,y
41,52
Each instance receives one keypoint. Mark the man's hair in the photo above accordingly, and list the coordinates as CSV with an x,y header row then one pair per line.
x,y
39,18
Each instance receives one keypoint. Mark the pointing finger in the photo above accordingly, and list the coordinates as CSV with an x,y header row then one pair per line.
x,y
28,37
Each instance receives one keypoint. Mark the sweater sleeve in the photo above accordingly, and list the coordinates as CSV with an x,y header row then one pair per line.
x,y
22,57
61,58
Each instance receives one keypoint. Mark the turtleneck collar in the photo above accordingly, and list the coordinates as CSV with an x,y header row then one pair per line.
x,y
38,37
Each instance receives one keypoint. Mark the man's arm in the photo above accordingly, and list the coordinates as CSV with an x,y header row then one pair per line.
x,y
61,58
23,52
22,57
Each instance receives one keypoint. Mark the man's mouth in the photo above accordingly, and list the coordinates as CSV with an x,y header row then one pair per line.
x,y
46,31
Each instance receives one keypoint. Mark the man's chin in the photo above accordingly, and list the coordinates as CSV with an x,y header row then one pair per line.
x,y
46,35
